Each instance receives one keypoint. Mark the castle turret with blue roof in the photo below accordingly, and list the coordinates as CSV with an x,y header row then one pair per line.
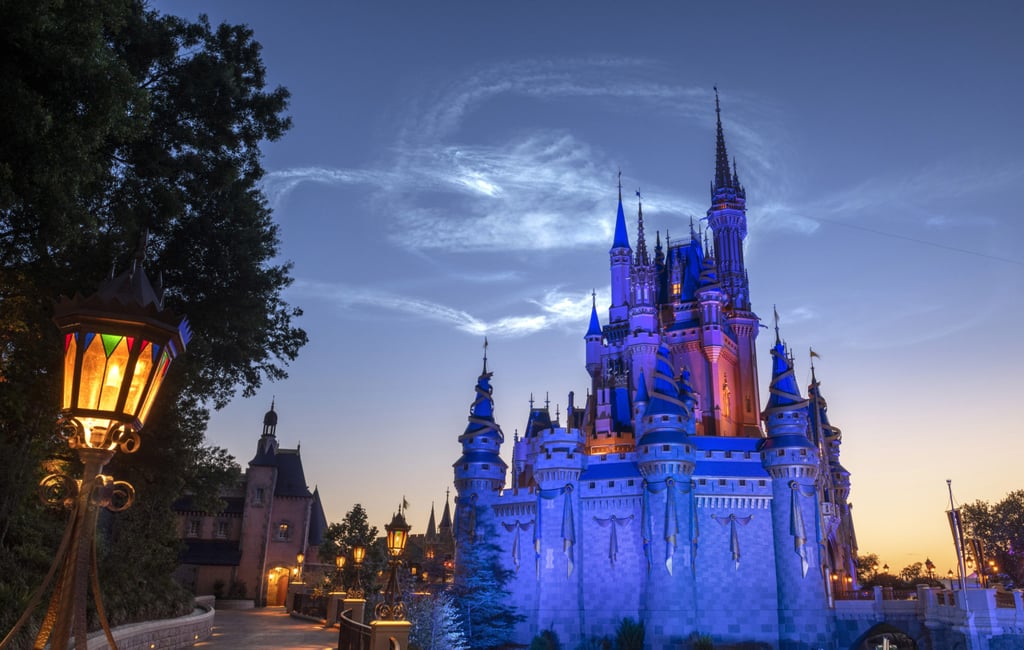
x,y
662,498
792,460
480,469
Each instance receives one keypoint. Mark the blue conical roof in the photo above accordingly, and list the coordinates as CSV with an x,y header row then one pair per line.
x,y
595,323
481,412
621,236
665,398
784,391
642,396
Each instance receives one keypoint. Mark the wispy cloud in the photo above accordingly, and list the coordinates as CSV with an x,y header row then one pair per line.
x,y
539,188
554,308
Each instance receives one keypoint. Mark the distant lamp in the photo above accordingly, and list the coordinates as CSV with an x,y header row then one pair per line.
x,y
392,608
885,568
118,346
358,555
339,562
398,534
299,559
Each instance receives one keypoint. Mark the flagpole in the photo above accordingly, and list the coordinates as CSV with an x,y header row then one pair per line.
x,y
958,538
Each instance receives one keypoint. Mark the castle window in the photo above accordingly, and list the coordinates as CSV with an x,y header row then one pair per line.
x,y
742,482
486,466
257,498
629,482
222,529
611,483
721,481
728,454
803,452
760,482
195,526
781,452
707,454
283,531
665,447
593,485
703,481
746,454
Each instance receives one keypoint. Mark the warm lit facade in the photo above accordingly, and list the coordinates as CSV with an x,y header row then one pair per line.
x,y
670,494
249,549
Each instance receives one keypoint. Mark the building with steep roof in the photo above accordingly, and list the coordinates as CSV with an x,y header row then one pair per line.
x,y
249,549
668,495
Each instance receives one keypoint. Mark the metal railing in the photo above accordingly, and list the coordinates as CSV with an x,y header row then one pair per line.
x,y
352,635
310,605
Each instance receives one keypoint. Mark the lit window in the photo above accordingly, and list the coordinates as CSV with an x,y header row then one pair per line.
x,y
282,532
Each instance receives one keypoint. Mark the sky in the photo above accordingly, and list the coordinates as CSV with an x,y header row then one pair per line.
x,y
451,174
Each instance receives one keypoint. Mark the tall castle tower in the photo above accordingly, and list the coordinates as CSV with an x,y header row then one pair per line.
x,y
662,499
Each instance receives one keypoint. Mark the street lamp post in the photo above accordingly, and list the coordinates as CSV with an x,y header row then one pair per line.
x,y
299,559
392,608
339,581
118,346
358,554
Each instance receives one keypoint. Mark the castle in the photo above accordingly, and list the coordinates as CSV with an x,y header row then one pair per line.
x,y
661,497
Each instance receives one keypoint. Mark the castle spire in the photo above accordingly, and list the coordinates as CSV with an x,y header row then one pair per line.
x,y
722,176
621,239
641,242
595,323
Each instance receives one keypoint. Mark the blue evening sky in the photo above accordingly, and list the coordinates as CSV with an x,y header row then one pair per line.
x,y
451,174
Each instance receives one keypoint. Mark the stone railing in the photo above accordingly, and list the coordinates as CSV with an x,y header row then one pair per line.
x,y
166,634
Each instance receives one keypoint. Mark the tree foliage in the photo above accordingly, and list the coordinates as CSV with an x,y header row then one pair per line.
x,y
480,588
116,121
436,624
1000,527
355,530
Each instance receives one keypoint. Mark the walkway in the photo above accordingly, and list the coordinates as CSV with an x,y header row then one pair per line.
x,y
267,628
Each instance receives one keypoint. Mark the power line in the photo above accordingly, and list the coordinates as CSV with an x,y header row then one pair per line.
x,y
893,235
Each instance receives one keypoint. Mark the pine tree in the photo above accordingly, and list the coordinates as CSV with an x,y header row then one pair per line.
x,y
480,588
436,623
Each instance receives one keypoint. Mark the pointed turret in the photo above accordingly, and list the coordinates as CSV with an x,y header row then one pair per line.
x,y
792,461
266,447
431,534
620,256
641,242
664,447
444,530
785,416
723,178
727,218
480,468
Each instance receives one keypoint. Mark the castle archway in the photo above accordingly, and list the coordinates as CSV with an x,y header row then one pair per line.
x,y
885,637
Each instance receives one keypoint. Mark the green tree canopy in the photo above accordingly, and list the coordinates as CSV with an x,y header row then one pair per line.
x,y
1000,527
118,121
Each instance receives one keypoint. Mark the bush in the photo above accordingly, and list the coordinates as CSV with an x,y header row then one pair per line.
x,y
629,635
546,640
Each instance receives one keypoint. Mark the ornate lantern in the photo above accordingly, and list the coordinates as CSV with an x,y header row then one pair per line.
x,y
358,555
118,346
392,607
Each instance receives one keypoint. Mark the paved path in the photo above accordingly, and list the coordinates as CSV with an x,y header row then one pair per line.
x,y
267,628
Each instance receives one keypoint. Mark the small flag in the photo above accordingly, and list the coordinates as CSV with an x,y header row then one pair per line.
x,y
815,355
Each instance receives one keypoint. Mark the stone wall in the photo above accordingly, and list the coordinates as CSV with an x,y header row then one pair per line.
x,y
167,634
